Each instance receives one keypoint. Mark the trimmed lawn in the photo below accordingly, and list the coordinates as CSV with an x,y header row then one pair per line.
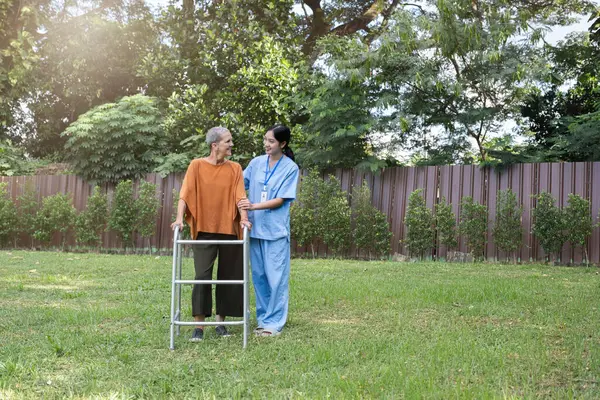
x,y
97,326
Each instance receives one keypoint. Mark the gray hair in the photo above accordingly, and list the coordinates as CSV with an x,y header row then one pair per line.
x,y
215,134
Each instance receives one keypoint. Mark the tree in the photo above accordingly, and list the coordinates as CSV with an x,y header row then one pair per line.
x,y
580,223
344,18
8,216
91,222
304,213
335,216
244,75
473,226
321,212
19,23
454,70
123,213
561,121
549,225
345,122
89,56
57,215
419,225
116,141
445,224
507,231
147,205
28,205
371,228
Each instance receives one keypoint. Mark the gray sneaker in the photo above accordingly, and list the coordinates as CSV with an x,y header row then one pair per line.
x,y
197,335
222,331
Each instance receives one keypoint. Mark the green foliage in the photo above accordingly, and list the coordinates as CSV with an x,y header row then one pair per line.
x,y
580,224
12,161
8,216
88,56
304,214
116,141
19,23
56,215
549,225
335,216
473,226
582,142
28,205
371,227
123,214
445,224
91,222
321,212
243,76
147,205
419,225
341,112
507,231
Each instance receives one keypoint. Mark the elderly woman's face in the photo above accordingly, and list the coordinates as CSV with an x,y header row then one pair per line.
x,y
223,146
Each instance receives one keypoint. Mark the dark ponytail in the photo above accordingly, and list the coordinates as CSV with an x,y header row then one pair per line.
x,y
283,134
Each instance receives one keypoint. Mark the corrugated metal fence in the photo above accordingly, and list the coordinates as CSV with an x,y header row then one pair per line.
x,y
390,191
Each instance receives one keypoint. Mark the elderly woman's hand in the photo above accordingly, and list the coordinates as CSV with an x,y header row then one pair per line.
x,y
244,204
179,223
245,223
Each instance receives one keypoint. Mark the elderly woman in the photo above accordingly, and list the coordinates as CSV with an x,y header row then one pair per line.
x,y
211,189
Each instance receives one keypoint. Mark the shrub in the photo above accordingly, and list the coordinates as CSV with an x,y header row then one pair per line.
x,y
147,205
116,141
8,216
304,217
508,233
581,225
27,209
371,228
419,225
56,215
549,225
123,213
91,222
473,226
335,216
445,224
321,211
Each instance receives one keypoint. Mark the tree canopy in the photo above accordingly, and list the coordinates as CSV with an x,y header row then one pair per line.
x,y
362,83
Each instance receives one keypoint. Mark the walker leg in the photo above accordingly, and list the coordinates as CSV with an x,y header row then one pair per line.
x,y
173,278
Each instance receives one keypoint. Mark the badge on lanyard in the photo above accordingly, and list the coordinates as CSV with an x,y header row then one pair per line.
x,y
263,194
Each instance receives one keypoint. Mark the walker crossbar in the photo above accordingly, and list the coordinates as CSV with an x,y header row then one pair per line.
x,y
176,283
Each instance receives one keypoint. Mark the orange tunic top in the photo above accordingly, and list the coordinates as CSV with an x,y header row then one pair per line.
x,y
211,193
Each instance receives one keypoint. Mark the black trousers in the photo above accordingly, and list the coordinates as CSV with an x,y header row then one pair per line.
x,y
229,298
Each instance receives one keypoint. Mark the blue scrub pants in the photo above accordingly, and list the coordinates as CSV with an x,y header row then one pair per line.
x,y
271,275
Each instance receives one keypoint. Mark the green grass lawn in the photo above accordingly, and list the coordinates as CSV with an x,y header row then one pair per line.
x,y
97,326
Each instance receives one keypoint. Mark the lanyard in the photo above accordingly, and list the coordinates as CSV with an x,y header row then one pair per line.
x,y
272,172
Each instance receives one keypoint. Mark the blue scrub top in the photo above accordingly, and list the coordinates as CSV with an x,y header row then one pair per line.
x,y
271,224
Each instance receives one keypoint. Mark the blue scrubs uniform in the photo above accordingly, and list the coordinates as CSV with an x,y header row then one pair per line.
x,y
270,238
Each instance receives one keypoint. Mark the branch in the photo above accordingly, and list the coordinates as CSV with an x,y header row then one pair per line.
x,y
319,27
414,5
369,14
386,15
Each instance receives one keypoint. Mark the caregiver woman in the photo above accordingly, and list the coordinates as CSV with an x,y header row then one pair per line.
x,y
271,182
